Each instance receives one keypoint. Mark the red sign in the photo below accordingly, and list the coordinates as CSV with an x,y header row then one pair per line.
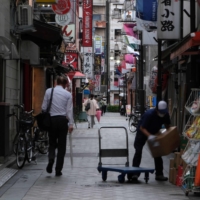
x,y
62,7
87,23
71,59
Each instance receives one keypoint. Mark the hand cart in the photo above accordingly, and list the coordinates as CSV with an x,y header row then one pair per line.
x,y
119,153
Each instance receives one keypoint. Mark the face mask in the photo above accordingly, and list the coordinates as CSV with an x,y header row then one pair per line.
x,y
161,115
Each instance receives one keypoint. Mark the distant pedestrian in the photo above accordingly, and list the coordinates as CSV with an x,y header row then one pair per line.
x,y
92,111
105,105
102,106
61,115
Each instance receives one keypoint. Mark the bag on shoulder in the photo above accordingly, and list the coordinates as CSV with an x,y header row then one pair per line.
x,y
44,121
87,107
44,118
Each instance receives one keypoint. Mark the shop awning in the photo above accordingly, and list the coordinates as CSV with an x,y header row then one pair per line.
x,y
166,52
76,75
185,46
44,34
8,50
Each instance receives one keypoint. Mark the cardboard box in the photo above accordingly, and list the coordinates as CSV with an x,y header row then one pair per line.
x,y
171,163
171,175
174,175
177,159
168,140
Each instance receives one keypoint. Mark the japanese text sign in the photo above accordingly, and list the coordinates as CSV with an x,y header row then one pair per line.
x,y
88,62
168,19
87,23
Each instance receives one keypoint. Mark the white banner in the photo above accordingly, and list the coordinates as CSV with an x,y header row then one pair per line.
x,y
97,83
88,61
168,19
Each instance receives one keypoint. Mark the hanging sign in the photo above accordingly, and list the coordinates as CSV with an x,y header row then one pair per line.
x,y
97,83
168,19
63,20
87,23
62,7
87,62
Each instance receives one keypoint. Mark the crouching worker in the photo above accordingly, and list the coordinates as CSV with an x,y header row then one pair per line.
x,y
150,124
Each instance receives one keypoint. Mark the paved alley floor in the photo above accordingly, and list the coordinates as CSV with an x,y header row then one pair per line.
x,y
82,180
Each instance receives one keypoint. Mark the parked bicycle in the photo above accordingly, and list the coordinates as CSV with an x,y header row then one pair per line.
x,y
29,140
134,118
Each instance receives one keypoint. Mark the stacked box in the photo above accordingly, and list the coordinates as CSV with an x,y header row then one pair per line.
x,y
174,164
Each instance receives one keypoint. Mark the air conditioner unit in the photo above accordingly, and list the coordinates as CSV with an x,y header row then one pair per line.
x,y
24,15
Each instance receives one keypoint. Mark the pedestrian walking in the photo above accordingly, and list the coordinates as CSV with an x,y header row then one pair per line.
x,y
151,122
104,106
61,113
92,111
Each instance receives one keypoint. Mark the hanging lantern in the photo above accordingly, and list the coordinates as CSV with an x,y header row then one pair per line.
x,y
117,59
116,13
118,38
128,18
121,57
111,55
123,51
116,48
115,65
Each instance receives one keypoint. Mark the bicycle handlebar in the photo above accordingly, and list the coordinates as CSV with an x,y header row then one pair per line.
x,y
21,106
30,112
10,115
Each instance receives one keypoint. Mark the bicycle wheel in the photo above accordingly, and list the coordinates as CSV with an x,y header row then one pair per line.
x,y
29,147
14,144
43,142
21,152
133,122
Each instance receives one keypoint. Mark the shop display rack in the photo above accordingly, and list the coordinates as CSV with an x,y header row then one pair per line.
x,y
192,133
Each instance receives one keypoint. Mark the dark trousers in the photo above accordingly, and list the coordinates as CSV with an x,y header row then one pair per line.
x,y
139,143
104,109
58,139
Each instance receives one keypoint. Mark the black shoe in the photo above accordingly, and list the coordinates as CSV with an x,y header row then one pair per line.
x,y
161,178
50,166
58,173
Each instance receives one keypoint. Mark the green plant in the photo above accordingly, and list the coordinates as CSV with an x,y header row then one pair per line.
x,y
113,108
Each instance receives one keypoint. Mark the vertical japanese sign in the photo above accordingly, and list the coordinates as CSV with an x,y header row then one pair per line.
x,y
168,19
102,64
87,62
87,23
97,64
97,83
98,45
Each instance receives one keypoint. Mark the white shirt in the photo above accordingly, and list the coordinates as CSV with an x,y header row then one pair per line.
x,y
61,103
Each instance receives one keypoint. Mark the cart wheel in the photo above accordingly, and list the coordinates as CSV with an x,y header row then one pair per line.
x,y
186,193
121,178
146,177
146,180
104,175
129,177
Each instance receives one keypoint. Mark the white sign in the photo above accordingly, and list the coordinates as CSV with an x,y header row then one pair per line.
x,y
98,45
97,83
63,20
168,19
88,61
69,33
